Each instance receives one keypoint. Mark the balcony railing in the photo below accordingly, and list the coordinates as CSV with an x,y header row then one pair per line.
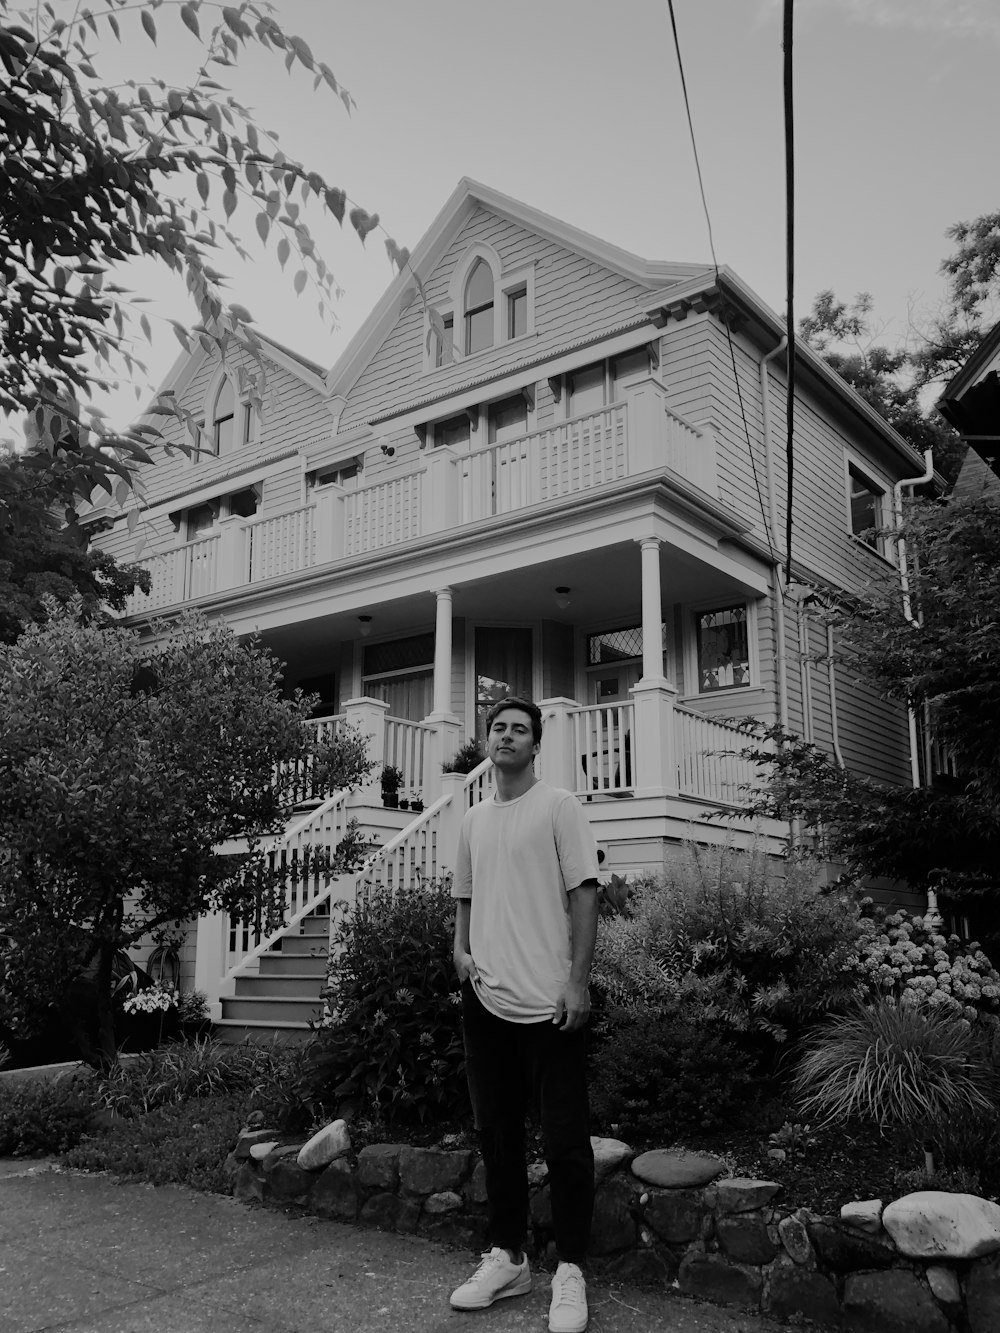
x,y
447,491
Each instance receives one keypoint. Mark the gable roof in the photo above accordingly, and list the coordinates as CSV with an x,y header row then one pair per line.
x,y
465,199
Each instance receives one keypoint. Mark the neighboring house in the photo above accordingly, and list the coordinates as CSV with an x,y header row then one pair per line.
x,y
557,481
971,403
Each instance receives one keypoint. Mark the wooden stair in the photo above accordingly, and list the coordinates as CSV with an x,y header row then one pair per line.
x,y
282,999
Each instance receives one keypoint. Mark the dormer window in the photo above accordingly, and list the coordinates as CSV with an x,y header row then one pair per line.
x,y
479,308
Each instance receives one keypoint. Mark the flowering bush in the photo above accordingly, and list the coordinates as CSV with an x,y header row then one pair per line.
x,y
917,964
156,999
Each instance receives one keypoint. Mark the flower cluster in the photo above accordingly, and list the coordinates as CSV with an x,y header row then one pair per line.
x,y
911,960
157,998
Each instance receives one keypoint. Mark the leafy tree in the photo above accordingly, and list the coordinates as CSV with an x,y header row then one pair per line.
x,y
886,379
92,175
943,660
123,767
42,557
973,302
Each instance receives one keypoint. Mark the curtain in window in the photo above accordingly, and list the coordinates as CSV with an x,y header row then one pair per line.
x,y
503,666
410,697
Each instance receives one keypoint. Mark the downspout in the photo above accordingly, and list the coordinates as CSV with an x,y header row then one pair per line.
x,y
831,678
777,570
904,588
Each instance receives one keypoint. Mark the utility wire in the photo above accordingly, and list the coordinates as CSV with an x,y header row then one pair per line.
x,y
789,280
715,264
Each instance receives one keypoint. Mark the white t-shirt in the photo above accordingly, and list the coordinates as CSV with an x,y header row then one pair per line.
x,y
518,861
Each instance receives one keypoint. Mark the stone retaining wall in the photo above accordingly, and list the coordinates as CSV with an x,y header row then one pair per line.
x,y
668,1219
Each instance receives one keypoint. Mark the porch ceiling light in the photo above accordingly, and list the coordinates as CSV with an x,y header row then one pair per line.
x,y
562,597
364,626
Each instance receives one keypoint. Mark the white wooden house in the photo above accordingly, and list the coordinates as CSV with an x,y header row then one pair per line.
x,y
568,483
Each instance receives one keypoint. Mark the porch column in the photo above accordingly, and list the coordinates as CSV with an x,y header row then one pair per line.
x,y
652,613
654,752
446,726
557,763
209,959
232,570
367,716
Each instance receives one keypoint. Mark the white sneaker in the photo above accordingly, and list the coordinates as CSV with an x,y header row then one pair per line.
x,y
568,1311
495,1278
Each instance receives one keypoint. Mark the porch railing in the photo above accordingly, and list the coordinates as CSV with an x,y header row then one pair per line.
x,y
602,746
709,764
443,491
306,887
405,748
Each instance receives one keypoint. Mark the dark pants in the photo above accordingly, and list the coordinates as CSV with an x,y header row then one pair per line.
x,y
511,1067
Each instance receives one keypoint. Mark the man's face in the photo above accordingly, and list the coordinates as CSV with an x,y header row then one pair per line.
x,y
511,744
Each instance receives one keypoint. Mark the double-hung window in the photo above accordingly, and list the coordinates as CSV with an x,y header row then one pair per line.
x,y
866,501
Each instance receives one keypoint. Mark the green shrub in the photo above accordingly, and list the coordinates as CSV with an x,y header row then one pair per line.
x,y
894,1064
731,942
393,1046
184,1143
656,1073
43,1117
904,958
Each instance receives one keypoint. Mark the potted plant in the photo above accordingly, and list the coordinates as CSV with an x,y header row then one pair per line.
x,y
404,803
390,781
470,756
416,802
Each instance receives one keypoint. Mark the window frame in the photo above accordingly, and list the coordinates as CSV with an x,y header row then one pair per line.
x,y
453,312
855,470
692,667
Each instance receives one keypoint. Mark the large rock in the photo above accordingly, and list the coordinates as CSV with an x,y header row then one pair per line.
x,y
933,1224
794,1237
335,1192
251,1136
893,1302
325,1146
248,1187
673,1168
613,1227
715,1279
745,1240
982,1295
864,1215
741,1195
847,1251
676,1216
286,1180
795,1293
608,1155
431,1170
378,1166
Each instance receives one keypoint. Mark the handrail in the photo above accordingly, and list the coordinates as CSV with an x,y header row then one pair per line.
x,y
306,909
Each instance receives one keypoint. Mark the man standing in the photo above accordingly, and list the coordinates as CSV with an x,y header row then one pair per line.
x,y
525,926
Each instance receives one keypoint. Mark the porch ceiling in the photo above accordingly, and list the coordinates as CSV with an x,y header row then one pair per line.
x,y
604,588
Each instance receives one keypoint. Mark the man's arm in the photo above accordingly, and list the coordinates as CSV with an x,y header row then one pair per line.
x,y
464,965
573,1006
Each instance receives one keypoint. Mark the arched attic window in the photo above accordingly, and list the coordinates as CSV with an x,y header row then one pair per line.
x,y
478,308
224,418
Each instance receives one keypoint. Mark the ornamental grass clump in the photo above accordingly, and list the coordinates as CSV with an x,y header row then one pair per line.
x,y
895,1065
918,964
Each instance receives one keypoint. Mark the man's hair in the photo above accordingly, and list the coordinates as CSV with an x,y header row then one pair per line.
x,y
525,705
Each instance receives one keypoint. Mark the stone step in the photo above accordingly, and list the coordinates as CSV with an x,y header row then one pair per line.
x,y
301,946
235,1031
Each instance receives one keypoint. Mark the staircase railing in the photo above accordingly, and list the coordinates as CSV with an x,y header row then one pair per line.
x,y
307,888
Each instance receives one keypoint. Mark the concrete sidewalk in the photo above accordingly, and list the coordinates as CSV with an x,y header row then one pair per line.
x,y
92,1254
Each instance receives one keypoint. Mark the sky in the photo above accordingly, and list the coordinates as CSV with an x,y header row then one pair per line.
x,y
575,107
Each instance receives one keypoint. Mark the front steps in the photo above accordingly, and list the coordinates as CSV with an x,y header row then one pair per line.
x,y
282,999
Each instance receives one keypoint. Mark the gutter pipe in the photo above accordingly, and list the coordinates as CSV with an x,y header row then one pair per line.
x,y
933,915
